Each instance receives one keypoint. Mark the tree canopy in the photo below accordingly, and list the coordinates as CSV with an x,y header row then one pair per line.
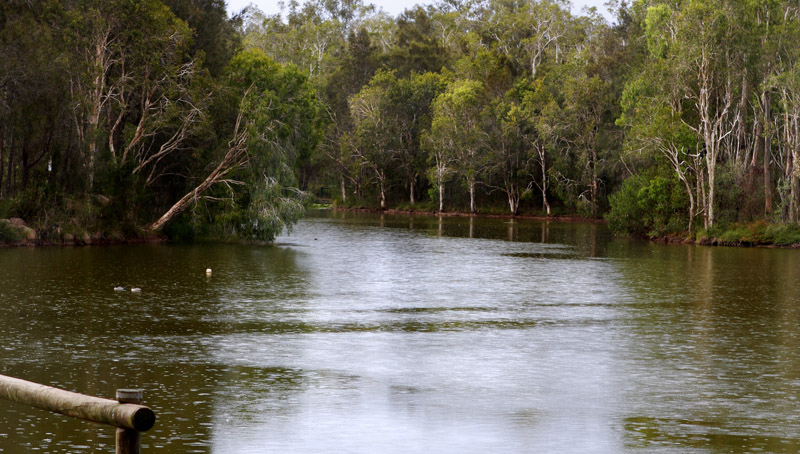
x,y
119,116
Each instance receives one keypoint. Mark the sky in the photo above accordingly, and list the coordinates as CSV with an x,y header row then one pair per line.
x,y
393,7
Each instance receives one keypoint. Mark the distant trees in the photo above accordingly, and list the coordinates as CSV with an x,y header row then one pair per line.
x,y
433,95
707,101
458,141
170,106
122,85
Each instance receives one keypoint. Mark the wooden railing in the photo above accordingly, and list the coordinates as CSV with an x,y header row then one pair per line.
x,y
125,413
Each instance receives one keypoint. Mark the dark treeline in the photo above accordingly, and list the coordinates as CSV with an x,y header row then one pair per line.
x,y
677,117
120,114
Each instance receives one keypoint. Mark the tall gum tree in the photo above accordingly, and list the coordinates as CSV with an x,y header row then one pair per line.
x,y
458,142
710,82
130,54
357,63
376,137
687,48
511,131
541,109
410,102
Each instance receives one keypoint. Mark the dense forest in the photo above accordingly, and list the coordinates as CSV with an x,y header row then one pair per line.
x,y
123,117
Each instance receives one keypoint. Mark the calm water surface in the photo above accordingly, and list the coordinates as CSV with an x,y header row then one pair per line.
x,y
369,334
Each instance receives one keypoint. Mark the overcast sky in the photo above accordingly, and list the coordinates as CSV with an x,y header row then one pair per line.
x,y
393,7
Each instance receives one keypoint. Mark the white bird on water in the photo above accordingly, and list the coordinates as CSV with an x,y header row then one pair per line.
x,y
208,271
136,290
119,289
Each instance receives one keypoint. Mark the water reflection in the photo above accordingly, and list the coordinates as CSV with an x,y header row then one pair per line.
x,y
385,333
713,336
424,343
68,328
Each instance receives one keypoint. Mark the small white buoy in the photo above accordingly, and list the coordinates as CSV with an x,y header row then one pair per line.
x,y
208,271
119,289
136,290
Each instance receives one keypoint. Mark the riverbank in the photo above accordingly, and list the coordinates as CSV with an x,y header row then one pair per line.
x,y
15,232
756,234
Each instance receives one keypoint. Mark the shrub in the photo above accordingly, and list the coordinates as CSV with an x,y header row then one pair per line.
x,y
649,205
783,234
9,233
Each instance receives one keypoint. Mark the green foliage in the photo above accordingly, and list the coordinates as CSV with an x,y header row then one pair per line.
x,y
416,48
648,205
216,40
783,234
757,233
656,29
262,213
730,202
10,233
183,230
280,113
507,102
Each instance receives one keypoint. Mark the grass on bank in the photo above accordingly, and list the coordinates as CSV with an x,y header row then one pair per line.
x,y
755,233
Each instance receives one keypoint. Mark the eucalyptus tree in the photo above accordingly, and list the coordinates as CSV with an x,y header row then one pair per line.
x,y
376,137
457,142
689,54
786,83
768,31
356,64
410,101
456,25
158,100
216,38
415,44
710,83
529,32
543,137
653,127
277,120
587,103
304,39
309,35
130,82
507,126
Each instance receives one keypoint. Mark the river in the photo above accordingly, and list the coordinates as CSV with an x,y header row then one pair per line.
x,y
361,333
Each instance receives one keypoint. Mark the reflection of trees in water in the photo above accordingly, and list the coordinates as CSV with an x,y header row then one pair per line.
x,y
472,226
512,230
710,324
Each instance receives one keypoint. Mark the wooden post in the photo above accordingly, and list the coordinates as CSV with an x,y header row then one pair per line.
x,y
124,413
129,440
